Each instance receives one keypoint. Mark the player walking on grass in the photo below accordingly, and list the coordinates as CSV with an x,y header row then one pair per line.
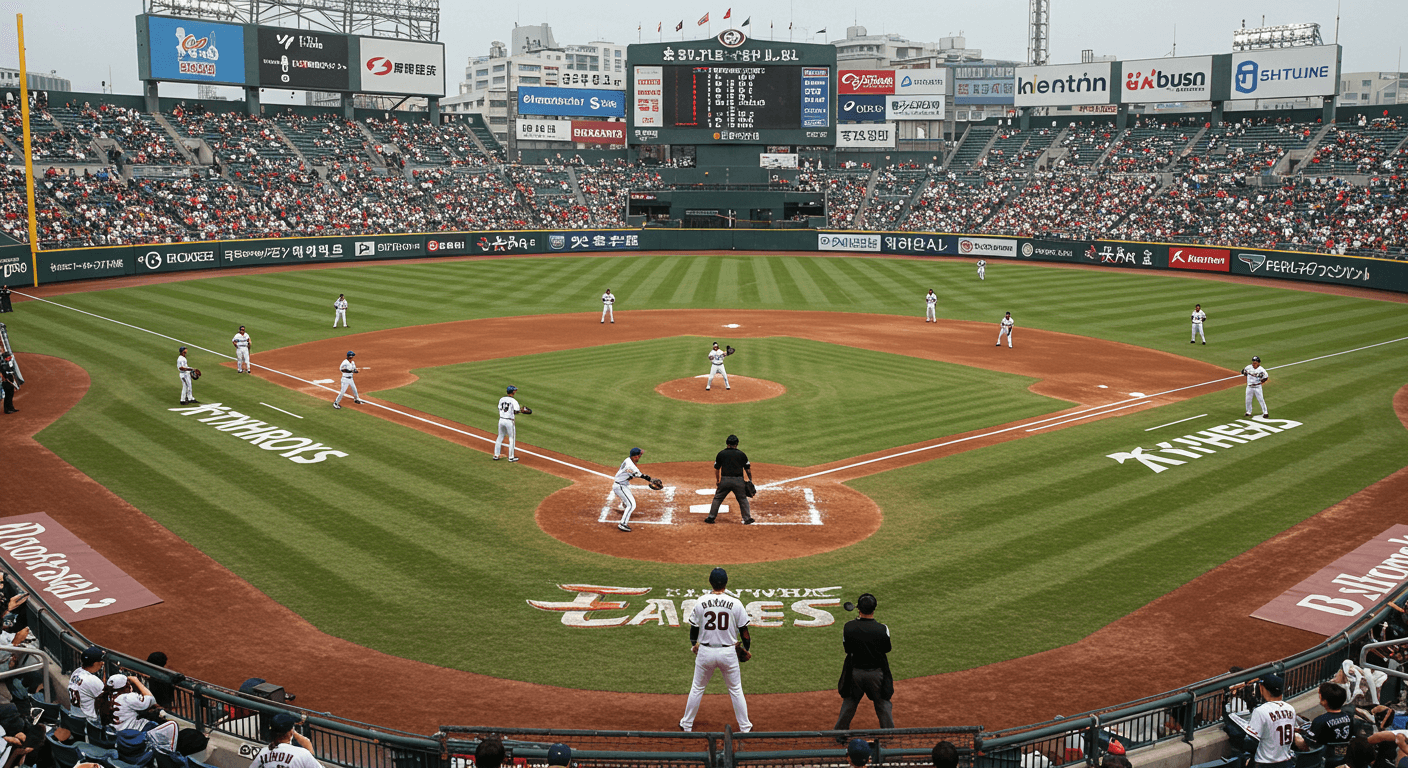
x,y
348,369
931,308
716,366
606,301
1256,376
1199,317
982,269
1007,323
622,488
242,344
508,425
717,626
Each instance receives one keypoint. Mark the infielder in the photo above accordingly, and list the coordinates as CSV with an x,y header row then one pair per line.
x,y
716,365
1007,323
508,411
1256,376
1198,317
982,268
341,306
931,312
715,628
241,342
184,371
606,301
624,473
349,369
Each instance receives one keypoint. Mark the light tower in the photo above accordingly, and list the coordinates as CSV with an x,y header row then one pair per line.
x,y
1039,33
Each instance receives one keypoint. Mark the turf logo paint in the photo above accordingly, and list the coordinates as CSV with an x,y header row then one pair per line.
x,y
299,450
1345,589
594,606
1196,446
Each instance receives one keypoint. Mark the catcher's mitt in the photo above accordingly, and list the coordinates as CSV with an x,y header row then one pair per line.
x,y
749,489
743,654
525,410
656,484
729,350
195,374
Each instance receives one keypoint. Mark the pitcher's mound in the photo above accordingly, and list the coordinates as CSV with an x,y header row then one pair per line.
x,y
744,390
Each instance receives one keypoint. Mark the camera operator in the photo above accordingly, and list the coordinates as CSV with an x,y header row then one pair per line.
x,y
867,669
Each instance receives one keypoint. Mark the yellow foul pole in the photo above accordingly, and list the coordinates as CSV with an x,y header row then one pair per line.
x,y
28,156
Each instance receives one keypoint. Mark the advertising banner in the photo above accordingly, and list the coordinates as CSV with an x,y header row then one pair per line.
x,y
175,257
866,81
527,129
1279,73
388,246
878,136
984,247
14,266
73,580
83,264
571,102
1387,274
914,107
1342,591
401,66
603,80
816,97
1148,81
195,51
598,132
302,59
832,241
594,240
449,244
1064,85
777,160
921,82
860,109
921,245
1202,259
1120,254
990,90
239,253
1054,250
650,88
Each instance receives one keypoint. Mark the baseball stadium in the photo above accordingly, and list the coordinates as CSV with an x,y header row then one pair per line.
x,y
1055,411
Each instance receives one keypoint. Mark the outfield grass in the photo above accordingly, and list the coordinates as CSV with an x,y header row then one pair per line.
x,y
991,554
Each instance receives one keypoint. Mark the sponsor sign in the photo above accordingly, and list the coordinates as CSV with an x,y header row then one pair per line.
x,y
176,257
527,129
1204,259
242,252
15,269
1138,255
826,241
281,442
777,159
571,102
592,606
987,246
1053,250
1183,450
594,240
195,51
987,90
816,97
866,81
1147,81
388,247
914,107
878,136
401,66
1318,267
300,58
1064,85
447,245
860,109
83,264
921,82
604,80
1286,72
598,132
74,581
650,89
1348,588
923,245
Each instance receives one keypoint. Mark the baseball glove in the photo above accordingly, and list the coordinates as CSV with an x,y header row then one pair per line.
x,y
525,410
743,654
729,350
656,484
195,374
749,489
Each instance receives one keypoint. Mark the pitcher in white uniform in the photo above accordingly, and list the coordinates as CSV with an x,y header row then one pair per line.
x,y
716,366
241,342
508,411
606,301
622,488
184,372
1007,325
1199,316
1256,376
717,624
931,309
341,307
349,369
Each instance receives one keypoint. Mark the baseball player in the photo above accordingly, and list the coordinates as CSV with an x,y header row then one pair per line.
x,y
716,365
241,342
349,369
341,306
624,473
606,301
1256,376
931,311
982,268
1198,317
1007,323
716,626
508,411
183,370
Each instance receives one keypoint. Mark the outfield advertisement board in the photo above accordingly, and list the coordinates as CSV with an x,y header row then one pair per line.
x,y
14,266
571,102
1064,85
527,129
1114,253
1187,78
1321,268
1200,259
302,58
920,245
1286,72
175,257
190,50
1071,251
84,264
878,136
239,253
860,109
986,247
402,67
842,241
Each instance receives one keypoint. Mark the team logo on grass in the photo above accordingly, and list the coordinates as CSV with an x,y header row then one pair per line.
x,y
602,606
299,450
1198,445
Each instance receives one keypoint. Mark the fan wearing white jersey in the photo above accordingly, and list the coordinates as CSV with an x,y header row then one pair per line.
x,y
1272,725
84,685
716,366
1256,376
931,308
348,369
242,344
622,488
606,301
982,268
508,410
1007,323
1199,317
341,306
717,624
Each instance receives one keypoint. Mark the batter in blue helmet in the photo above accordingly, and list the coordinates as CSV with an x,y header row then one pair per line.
x,y
629,469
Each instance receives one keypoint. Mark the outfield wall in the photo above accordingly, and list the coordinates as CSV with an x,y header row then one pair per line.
x,y
115,261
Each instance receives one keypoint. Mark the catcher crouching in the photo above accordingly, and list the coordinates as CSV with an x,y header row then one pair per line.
x,y
629,469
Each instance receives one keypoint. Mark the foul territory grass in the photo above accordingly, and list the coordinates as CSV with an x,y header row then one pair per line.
x,y
983,556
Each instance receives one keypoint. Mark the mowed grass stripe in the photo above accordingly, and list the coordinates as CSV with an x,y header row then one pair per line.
x,y
768,291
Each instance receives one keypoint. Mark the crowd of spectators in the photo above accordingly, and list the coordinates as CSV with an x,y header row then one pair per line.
x,y
1082,205
606,188
1361,149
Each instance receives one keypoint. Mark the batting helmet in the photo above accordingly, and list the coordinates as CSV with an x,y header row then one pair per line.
x,y
718,578
636,451
1256,359
350,353
512,389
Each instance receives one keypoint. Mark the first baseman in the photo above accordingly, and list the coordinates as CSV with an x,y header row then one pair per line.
x,y
931,308
1256,376
716,365
1007,323
982,268
717,624
622,488
508,412
606,301
341,306
349,369
241,342
184,372
1198,317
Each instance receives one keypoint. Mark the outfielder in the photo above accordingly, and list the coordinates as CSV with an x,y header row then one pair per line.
x,y
716,365
606,301
624,473
716,627
241,342
187,374
1256,376
1007,323
1198,317
932,309
982,268
508,411
341,306
349,369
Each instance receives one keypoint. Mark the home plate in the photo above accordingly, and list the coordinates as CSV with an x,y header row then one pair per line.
x,y
703,509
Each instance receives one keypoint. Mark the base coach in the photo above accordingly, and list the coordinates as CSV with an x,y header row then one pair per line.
x,y
730,467
867,668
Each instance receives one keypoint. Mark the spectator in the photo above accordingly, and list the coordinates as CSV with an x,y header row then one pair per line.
x,y
288,749
1271,726
560,754
858,753
944,755
1331,729
489,753
128,705
163,691
84,685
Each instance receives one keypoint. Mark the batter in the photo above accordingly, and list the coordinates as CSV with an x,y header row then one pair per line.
x,y
1007,324
1256,376
241,342
716,625
932,307
1198,317
348,369
622,488
716,366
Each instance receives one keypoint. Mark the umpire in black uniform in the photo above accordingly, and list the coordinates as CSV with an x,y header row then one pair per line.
x,y
867,669
9,381
730,467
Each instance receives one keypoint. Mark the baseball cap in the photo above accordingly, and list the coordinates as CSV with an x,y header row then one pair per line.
x,y
858,751
283,722
1273,684
118,680
559,754
512,389
93,654
718,577
1116,747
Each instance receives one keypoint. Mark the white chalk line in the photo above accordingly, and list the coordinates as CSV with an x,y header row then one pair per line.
x,y
1171,423
423,420
1090,415
280,410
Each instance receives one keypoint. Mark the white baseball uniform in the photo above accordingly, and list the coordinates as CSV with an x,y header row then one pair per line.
x,y
186,392
719,618
285,755
982,268
1198,317
1256,376
341,306
1273,725
931,312
241,342
127,706
508,412
624,473
83,688
716,366
1006,328
606,301
349,369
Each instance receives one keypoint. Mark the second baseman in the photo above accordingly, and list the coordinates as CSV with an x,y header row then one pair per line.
x,y
1007,323
1256,376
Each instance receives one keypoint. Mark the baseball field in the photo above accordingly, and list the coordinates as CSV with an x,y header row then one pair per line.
x,y
999,502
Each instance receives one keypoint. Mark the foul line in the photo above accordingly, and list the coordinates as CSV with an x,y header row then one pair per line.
x,y
1171,423
319,386
280,410
1089,416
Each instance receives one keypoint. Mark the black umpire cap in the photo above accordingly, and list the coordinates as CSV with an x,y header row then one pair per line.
x,y
718,578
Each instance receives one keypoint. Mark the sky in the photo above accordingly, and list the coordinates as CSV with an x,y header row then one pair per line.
x,y
92,41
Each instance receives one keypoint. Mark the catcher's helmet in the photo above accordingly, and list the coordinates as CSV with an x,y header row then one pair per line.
x,y
636,451
1256,359
718,578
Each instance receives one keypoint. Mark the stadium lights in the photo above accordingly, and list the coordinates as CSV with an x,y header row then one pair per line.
x,y
202,9
1278,36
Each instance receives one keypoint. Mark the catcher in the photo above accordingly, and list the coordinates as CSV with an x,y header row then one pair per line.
x,y
187,375
628,470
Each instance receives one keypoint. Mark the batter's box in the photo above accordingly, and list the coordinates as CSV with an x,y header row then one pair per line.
x,y
649,511
775,506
